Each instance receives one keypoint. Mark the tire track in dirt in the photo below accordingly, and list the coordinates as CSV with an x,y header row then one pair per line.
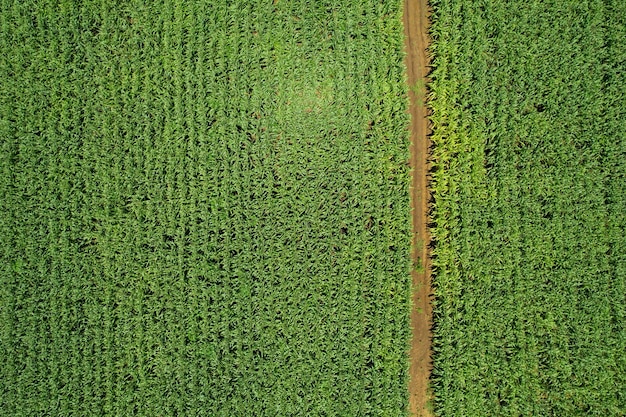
x,y
416,21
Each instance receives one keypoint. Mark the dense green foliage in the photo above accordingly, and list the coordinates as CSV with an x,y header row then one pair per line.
x,y
529,177
204,208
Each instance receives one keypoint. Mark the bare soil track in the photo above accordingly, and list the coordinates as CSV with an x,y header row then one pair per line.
x,y
416,20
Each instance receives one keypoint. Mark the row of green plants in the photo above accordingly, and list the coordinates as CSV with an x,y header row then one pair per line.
x,y
529,184
204,208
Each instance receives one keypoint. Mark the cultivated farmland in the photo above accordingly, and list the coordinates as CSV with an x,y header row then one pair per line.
x,y
204,208
529,181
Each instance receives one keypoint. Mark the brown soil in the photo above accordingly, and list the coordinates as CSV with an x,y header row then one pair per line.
x,y
416,20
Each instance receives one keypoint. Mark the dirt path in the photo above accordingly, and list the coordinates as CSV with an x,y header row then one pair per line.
x,y
416,14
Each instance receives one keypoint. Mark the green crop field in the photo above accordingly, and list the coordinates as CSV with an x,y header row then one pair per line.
x,y
529,182
204,208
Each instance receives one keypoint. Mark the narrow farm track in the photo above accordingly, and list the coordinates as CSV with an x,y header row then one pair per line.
x,y
416,40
